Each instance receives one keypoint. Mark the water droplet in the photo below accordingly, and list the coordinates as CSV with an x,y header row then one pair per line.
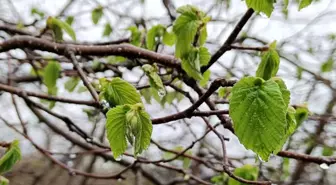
x,y
263,15
161,92
324,166
70,164
118,158
73,156
260,159
72,173
89,140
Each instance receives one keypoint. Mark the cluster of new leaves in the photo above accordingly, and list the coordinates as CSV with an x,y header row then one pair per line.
x,y
191,33
259,108
127,120
267,6
57,26
7,161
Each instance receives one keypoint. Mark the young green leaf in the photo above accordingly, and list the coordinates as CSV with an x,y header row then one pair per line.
x,y
191,64
246,172
96,14
135,35
168,38
304,4
301,114
107,30
56,25
269,65
69,20
3,181
327,151
144,128
71,84
50,75
204,56
258,111
265,6
39,13
327,66
185,27
120,92
128,122
115,59
154,79
154,33
116,129
12,156
206,78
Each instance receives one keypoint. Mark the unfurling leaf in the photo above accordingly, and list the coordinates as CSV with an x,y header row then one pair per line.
x,y
56,25
12,156
269,65
128,122
50,75
259,110
156,32
154,79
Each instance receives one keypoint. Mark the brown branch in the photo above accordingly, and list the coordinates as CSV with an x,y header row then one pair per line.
x,y
308,158
187,113
22,93
82,75
232,37
125,50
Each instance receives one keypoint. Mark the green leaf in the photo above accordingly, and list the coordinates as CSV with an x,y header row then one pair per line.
x,y
154,33
206,78
154,79
299,71
128,122
204,56
71,84
284,90
169,38
69,20
285,168
265,6
328,65
258,111
120,92
304,4
203,35
246,172
135,35
3,181
96,14
327,151
143,128
185,28
39,13
147,94
50,75
186,161
290,125
269,65
56,25
301,114
221,92
82,89
191,64
219,179
12,156
107,30
115,59
116,129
